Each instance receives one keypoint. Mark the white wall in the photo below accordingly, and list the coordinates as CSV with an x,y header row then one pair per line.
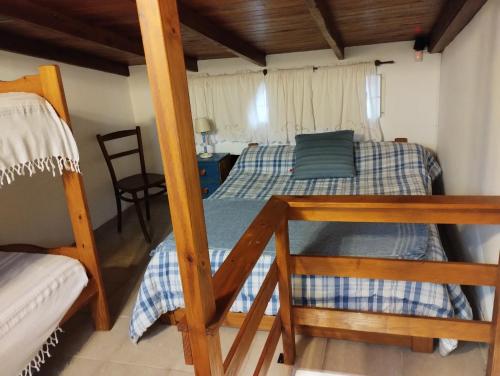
x,y
33,210
469,128
411,89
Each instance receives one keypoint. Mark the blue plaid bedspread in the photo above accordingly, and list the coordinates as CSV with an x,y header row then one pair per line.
x,y
383,168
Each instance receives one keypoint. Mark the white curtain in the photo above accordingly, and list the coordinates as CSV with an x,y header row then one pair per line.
x,y
236,105
290,101
344,98
273,108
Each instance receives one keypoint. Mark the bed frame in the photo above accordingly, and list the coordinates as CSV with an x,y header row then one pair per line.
x,y
236,319
48,84
208,299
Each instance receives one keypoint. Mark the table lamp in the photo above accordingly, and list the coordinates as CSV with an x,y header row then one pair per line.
x,y
202,126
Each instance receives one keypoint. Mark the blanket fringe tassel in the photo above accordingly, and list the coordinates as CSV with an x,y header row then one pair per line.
x,y
51,164
43,354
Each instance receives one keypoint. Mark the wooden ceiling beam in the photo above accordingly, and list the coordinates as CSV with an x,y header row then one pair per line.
x,y
322,17
15,43
455,15
32,13
225,38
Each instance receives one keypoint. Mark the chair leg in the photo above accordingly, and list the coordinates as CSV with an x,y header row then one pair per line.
x,y
146,202
119,211
141,218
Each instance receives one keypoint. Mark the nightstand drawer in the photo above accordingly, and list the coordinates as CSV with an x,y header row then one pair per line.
x,y
209,172
213,171
208,189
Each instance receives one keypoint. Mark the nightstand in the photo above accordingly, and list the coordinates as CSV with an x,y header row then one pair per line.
x,y
213,171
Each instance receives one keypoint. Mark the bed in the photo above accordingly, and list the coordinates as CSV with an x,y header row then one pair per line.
x,y
384,168
40,288
36,291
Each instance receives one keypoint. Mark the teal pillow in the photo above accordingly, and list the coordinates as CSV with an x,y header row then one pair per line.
x,y
324,155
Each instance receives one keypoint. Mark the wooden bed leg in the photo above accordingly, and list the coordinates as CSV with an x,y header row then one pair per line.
x,y
285,291
422,345
494,352
186,346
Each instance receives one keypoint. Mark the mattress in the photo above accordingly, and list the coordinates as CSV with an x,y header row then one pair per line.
x,y
383,168
35,292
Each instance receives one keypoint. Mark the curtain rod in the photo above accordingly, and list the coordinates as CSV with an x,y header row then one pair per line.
x,y
376,62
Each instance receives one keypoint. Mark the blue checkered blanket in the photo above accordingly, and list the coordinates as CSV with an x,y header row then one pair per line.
x,y
383,168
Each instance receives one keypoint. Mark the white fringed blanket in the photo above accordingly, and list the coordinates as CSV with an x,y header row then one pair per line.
x,y
33,137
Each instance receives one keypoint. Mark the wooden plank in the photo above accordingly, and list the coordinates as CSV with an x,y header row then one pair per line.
x,y
234,271
216,33
74,190
267,354
35,14
386,323
285,291
167,76
323,19
459,273
422,345
235,320
85,297
454,16
493,367
15,43
246,334
395,209
28,84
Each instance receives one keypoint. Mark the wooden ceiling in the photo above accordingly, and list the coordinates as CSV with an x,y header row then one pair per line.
x,y
105,34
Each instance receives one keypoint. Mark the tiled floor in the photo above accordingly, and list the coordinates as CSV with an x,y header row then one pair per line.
x,y
82,351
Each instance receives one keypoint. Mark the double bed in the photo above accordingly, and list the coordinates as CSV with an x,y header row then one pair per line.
x,y
383,168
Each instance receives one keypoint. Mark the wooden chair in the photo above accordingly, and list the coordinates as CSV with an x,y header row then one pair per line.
x,y
131,185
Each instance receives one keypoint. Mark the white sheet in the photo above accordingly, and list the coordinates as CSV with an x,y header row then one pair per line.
x,y
35,292
33,137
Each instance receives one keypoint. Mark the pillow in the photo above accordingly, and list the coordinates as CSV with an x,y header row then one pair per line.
x,y
324,155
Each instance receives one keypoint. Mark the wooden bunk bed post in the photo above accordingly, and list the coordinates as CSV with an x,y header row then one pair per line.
x,y
161,37
53,91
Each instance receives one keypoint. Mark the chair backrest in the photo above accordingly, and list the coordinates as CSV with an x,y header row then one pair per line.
x,y
110,157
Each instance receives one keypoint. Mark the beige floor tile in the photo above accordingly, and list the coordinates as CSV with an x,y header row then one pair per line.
x,y
363,359
71,367
465,361
173,372
161,347
120,369
310,352
81,340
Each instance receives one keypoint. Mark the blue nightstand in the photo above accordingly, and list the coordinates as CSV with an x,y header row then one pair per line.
x,y
213,172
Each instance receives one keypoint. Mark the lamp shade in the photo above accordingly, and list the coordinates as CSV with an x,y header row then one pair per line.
x,y
202,125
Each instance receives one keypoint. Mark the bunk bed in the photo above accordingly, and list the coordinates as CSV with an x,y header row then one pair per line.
x,y
42,288
208,298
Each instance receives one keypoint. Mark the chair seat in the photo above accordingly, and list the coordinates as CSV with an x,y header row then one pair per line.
x,y
135,183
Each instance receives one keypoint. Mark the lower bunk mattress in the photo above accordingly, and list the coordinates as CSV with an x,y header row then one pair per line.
x,y
36,291
382,168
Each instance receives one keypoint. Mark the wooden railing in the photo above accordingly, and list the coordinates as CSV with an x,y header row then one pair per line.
x,y
273,219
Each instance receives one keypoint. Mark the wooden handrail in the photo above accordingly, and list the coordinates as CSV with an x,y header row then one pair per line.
x,y
398,324
234,271
267,353
395,209
459,273
247,332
